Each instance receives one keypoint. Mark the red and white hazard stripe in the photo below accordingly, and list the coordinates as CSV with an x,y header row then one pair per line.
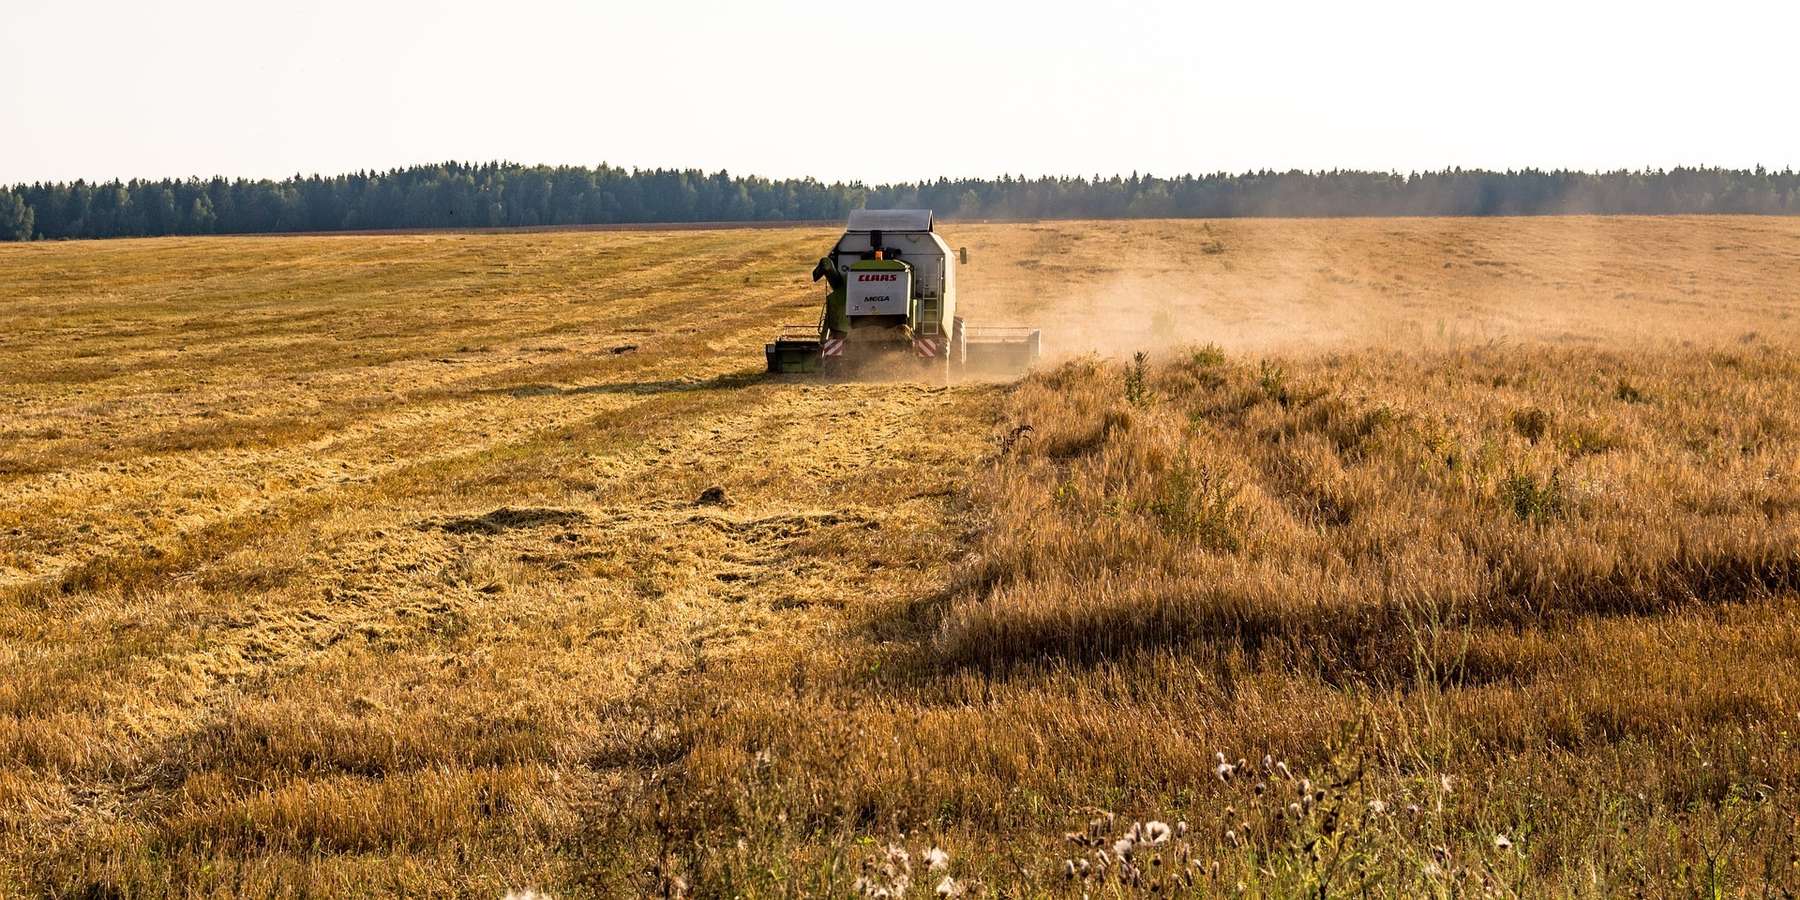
x,y
833,347
925,347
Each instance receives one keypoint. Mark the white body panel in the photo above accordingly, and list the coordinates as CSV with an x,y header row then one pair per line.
x,y
878,293
889,220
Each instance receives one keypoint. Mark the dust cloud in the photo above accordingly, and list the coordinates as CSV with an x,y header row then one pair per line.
x,y
1316,286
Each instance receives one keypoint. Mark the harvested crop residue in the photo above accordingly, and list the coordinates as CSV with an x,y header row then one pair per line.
x,y
451,564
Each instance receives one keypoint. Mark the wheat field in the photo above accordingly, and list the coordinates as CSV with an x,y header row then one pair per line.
x,y
1416,556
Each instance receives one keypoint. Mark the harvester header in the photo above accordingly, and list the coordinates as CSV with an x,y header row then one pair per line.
x,y
891,297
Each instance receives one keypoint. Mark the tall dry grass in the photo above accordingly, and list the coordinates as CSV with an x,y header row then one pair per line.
x,y
1460,619
1342,511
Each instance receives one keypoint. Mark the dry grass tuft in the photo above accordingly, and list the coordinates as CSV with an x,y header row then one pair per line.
x,y
1314,522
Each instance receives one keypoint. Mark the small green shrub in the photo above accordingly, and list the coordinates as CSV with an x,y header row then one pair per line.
x,y
1207,357
1533,499
1197,503
1136,393
1273,380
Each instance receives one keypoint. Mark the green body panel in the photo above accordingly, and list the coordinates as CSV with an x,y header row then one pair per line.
x,y
837,311
787,357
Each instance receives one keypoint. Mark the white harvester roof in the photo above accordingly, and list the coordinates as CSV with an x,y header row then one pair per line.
x,y
889,220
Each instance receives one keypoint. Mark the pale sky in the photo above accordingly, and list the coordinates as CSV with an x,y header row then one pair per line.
x,y
898,90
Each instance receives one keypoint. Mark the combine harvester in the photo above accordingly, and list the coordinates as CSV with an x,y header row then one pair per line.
x,y
892,308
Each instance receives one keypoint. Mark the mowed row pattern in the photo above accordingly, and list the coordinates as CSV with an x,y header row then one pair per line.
x,y
338,563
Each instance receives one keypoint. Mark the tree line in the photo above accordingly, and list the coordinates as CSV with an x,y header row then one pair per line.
x,y
489,195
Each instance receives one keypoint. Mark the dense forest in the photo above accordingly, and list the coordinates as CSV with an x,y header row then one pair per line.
x,y
463,195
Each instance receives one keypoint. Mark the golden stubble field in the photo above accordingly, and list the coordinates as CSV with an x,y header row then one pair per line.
x,y
1418,556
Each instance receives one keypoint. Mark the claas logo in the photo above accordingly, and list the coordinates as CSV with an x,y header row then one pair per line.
x,y
878,277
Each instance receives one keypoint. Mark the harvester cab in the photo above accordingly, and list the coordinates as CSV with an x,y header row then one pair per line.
x,y
892,301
